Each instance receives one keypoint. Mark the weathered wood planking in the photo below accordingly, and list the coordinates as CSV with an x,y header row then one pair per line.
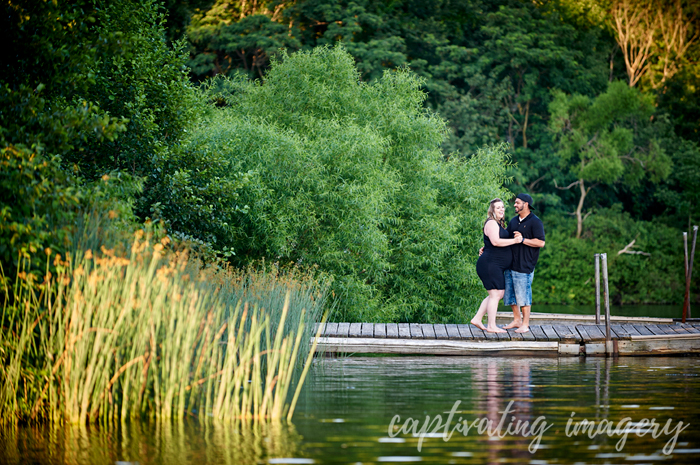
x,y
513,335
343,329
416,331
550,333
355,330
440,331
465,332
428,331
538,333
380,330
330,330
392,331
404,331
435,347
367,330
452,332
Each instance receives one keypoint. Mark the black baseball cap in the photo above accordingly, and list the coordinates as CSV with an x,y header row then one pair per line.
x,y
525,198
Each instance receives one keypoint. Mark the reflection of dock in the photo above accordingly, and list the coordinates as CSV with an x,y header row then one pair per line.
x,y
543,339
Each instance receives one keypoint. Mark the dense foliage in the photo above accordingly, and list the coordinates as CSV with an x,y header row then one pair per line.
x,y
348,177
546,77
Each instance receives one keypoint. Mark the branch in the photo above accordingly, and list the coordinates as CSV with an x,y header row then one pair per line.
x,y
567,187
628,250
586,215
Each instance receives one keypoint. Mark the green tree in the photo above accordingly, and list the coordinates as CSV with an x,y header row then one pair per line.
x,y
604,141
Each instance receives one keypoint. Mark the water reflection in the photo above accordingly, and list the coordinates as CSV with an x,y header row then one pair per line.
x,y
146,443
347,405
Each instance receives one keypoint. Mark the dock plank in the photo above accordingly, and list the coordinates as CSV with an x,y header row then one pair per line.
x,y
380,330
620,331
440,331
513,335
567,333
416,331
404,331
536,331
343,329
657,331
367,330
453,332
528,336
503,336
680,329
585,337
470,332
613,334
631,330
690,328
392,331
428,331
643,330
550,333
595,333
490,336
330,330
355,330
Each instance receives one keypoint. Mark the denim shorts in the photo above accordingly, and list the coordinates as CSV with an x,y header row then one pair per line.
x,y
518,288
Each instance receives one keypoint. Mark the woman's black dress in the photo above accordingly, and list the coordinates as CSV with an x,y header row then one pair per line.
x,y
493,262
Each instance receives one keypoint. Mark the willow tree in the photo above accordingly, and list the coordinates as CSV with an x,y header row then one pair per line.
x,y
349,177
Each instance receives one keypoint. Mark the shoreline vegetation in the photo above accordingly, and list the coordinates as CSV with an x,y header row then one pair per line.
x,y
107,337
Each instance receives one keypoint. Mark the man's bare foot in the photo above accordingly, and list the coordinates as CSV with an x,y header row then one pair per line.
x,y
478,324
496,330
523,329
514,324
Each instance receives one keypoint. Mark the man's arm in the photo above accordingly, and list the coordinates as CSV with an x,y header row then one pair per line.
x,y
534,242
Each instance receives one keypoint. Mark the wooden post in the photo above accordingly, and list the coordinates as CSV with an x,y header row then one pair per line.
x,y
686,299
597,288
690,268
606,297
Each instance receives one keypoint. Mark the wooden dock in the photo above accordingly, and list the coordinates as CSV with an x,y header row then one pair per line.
x,y
543,339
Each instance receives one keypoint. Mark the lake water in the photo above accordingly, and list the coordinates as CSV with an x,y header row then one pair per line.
x,y
348,404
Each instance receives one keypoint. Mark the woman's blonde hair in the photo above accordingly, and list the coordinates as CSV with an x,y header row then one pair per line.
x,y
490,214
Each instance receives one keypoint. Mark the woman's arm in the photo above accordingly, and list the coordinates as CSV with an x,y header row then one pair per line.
x,y
491,231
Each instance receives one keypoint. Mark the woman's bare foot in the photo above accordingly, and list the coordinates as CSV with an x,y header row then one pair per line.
x,y
496,330
523,329
514,324
478,324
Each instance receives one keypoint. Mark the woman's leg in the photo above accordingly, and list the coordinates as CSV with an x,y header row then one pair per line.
x,y
477,320
494,297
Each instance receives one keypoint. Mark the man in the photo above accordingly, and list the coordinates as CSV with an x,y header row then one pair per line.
x,y
518,292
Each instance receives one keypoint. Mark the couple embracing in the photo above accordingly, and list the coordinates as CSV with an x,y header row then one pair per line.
x,y
507,265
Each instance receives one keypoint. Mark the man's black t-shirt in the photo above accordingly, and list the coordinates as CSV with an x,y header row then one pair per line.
x,y
524,256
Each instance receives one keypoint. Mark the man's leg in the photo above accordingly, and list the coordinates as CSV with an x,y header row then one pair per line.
x,y
517,319
525,327
509,299
523,294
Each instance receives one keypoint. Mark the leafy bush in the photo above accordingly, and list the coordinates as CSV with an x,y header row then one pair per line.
x,y
350,177
566,273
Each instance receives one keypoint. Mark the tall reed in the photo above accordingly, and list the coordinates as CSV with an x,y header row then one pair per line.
x,y
157,335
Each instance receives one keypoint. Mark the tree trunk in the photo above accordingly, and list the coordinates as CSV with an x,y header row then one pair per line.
x,y
579,209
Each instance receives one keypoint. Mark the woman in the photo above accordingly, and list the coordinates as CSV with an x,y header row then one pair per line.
x,y
496,258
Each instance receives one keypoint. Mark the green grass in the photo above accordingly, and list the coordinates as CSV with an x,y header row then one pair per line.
x,y
155,334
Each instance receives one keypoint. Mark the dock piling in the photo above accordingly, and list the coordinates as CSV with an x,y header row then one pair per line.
x,y
597,288
606,296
